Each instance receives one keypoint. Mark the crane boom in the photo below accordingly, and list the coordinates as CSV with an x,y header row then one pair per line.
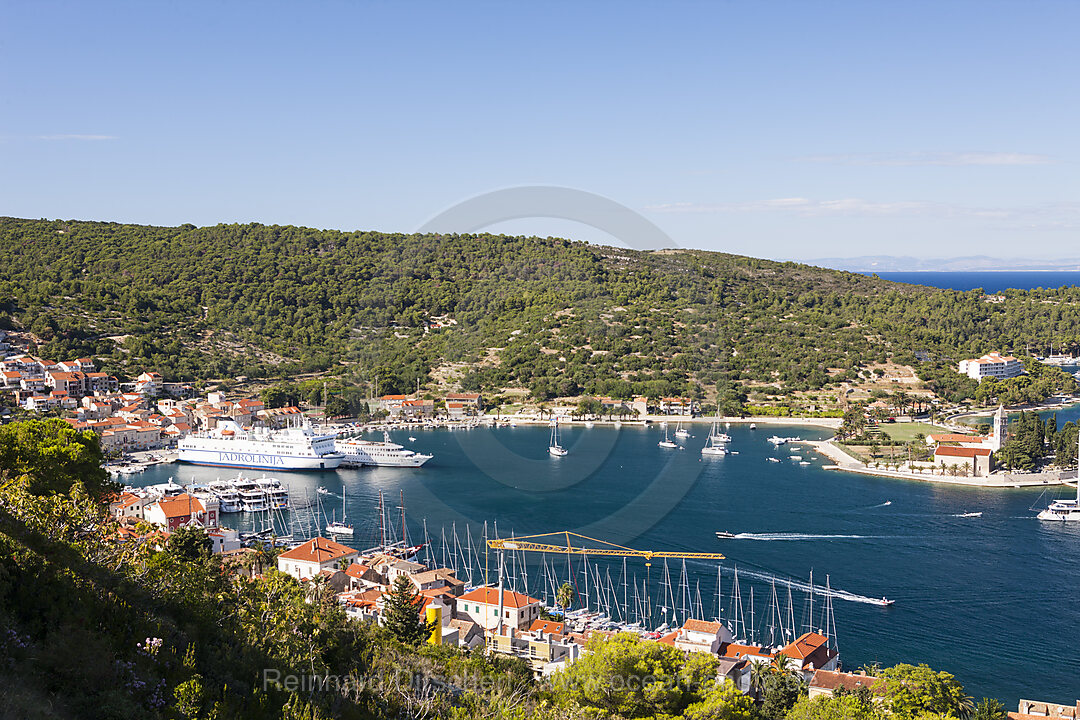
x,y
533,543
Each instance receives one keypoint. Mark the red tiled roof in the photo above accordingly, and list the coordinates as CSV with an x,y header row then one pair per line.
x,y
356,570
548,626
829,680
956,437
318,550
956,451
180,506
736,650
805,645
669,639
490,596
702,626
463,396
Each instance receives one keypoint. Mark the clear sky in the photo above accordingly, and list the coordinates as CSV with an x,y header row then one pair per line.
x,y
775,129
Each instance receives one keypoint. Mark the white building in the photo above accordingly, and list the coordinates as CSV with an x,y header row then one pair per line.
x,y
314,556
702,636
481,606
993,365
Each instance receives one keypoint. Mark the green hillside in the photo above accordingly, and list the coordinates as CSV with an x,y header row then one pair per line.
x,y
554,316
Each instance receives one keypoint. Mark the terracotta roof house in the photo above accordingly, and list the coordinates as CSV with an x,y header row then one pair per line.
x,y
314,556
827,682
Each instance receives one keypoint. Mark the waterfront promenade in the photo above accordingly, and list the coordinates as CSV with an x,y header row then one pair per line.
x,y
847,463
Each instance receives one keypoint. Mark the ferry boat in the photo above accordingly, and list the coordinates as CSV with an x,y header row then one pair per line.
x,y
357,453
297,447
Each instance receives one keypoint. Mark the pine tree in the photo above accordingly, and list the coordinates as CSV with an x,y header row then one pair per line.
x,y
401,613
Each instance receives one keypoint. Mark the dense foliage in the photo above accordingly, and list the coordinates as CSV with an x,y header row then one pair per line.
x,y
553,316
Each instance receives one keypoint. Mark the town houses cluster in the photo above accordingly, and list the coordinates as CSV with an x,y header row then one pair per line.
x,y
146,414
512,623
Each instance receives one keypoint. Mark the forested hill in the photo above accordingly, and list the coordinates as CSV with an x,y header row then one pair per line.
x,y
555,316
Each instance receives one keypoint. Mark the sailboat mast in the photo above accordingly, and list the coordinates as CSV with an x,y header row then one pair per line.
x,y
753,624
403,541
382,523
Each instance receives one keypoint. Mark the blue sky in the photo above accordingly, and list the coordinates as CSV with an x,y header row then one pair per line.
x,y
791,130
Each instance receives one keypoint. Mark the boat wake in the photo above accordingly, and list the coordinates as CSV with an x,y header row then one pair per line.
x,y
804,586
887,503
968,515
796,536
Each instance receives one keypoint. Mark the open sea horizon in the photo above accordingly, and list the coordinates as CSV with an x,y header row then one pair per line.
x,y
992,281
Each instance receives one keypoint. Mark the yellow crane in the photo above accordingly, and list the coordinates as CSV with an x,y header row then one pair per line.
x,y
538,543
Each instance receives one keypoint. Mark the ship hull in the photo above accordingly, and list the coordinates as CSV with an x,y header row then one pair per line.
x,y
407,462
257,460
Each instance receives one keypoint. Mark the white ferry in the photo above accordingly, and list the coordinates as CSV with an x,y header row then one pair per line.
x,y
358,452
297,447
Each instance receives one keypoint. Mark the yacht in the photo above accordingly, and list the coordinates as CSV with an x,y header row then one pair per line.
x,y
554,448
1063,510
666,442
357,453
295,447
252,497
777,440
165,490
227,497
276,495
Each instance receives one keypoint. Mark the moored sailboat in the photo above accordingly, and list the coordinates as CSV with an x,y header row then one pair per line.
x,y
554,448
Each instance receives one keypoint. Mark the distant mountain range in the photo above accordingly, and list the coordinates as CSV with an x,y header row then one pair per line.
x,y
971,263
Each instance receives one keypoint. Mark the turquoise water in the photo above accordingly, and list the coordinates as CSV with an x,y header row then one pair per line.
x,y
973,595
991,282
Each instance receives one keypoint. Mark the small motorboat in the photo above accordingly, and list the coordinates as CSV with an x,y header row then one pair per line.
x,y
724,534
886,603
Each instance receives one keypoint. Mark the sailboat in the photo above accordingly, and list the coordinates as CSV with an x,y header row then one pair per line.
x,y
680,431
716,434
717,442
666,442
554,448
340,527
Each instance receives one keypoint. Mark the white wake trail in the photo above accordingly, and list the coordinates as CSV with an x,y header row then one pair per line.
x,y
796,536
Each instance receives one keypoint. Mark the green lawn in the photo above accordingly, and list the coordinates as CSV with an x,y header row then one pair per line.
x,y
906,431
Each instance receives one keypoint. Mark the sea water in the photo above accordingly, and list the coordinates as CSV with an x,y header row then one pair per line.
x,y
975,596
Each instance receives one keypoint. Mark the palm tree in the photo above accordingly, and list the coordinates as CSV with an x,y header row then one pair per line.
x,y
760,675
318,591
564,596
781,663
